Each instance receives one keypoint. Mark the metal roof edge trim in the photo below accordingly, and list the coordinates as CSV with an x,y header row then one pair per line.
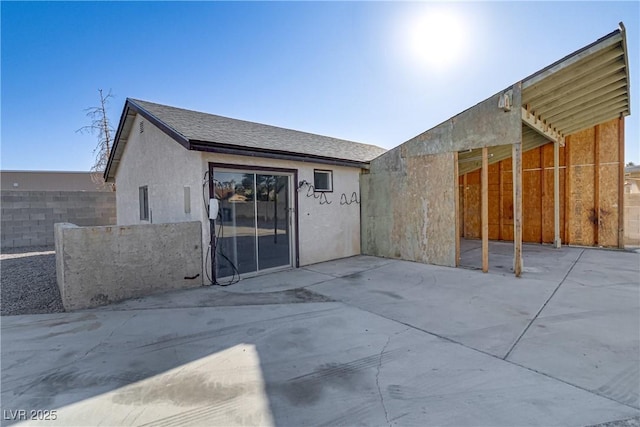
x,y
623,32
121,123
130,104
539,75
210,147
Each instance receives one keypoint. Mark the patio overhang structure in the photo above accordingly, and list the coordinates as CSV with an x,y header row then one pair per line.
x,y
582,90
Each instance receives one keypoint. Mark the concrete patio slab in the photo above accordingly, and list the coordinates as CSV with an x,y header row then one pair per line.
x,y
541,262
272,365
485,311
589,330
366,341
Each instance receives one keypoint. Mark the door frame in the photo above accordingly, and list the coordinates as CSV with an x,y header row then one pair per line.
x,y
292,190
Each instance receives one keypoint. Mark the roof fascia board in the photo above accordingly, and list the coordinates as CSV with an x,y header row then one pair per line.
x,y
121,124
128,113
623,33
253,152
602,43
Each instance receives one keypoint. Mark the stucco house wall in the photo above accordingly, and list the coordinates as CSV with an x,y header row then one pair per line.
x,y
325,231
153,159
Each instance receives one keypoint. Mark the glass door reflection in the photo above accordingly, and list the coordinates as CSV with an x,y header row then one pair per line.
x,y
253,227
272,199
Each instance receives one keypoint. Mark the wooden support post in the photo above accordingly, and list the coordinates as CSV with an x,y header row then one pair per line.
x,y
567,191
621,183
556,195
457,203
596,184
517,208
484,182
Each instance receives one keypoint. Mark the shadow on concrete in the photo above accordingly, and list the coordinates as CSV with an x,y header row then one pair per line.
x,y
406,344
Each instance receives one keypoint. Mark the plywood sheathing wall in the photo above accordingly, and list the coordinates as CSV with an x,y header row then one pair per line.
x,y
408,207
410,212
588,216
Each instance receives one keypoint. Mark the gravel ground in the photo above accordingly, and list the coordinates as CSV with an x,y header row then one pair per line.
x,y
28,281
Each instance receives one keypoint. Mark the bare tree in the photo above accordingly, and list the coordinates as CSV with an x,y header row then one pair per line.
x,y
101,127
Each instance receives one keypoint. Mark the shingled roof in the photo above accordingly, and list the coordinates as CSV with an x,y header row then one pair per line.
x,y
208,132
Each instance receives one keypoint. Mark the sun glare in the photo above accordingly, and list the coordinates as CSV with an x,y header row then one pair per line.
x,y
436,38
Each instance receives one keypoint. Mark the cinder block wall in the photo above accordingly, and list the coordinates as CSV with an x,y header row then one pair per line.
x,y
100,265
28,216
632,219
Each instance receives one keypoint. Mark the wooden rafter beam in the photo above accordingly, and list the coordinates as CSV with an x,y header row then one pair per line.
x,y
537,124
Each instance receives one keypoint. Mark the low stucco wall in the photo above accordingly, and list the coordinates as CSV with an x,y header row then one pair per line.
x,y
100,265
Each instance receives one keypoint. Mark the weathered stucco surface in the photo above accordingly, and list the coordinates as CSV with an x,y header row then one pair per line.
x,y
100,265
328,229
153,159
408,198
329,225
411,214
483,125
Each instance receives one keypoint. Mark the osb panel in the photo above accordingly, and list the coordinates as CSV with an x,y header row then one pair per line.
x,y
494,174
494,201
473,178
472,202
608,212
582,219
494,214
609,141
461,206
507,200
538,217
548,228
548,155
531,159
426,230
531,206
472,205
461,210
507,166
582,147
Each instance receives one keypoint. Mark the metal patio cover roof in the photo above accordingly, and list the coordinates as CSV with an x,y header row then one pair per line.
x,y
588,87
583,89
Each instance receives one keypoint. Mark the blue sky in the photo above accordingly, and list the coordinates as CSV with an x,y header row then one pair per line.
x,y
345,69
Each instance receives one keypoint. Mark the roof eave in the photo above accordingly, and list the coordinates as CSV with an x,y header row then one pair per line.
x,y
131,109
213,147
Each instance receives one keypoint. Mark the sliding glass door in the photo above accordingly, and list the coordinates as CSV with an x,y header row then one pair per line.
x,y
253,228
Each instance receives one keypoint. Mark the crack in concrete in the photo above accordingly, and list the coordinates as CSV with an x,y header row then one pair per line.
x,y
452,341
102,341
386,414
543,307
